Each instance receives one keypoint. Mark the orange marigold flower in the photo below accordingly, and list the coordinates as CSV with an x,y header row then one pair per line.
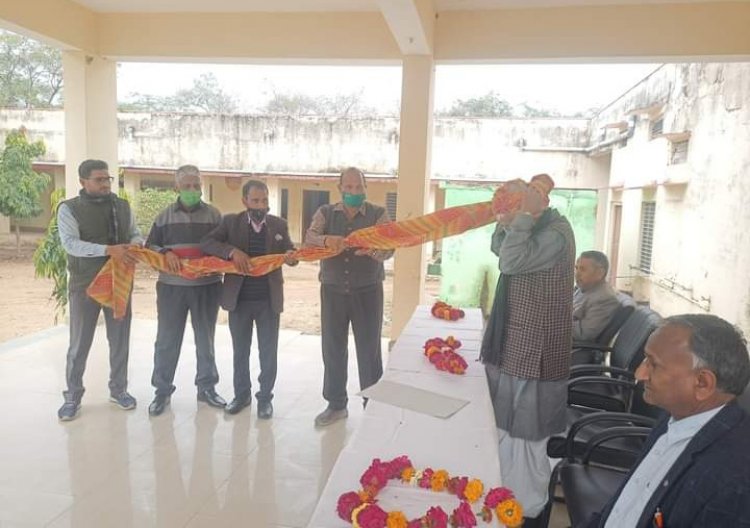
x,y
407,474
396,519
474,490
439,480
364,496
510,513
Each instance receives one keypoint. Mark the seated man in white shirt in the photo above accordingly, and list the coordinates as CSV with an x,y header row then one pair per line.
x,y
695,468
594,300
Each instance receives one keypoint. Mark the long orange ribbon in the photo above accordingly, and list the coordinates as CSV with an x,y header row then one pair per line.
x,y
114,282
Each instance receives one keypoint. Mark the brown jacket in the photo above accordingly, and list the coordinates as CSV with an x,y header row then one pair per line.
x,y
234,232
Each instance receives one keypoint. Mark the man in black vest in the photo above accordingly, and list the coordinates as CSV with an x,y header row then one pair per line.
x,y
94,227
351,291
248,299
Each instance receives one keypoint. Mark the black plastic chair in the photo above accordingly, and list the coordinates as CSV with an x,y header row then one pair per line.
x,y
574,443
588,486
610,387
606,444
585,352
587,482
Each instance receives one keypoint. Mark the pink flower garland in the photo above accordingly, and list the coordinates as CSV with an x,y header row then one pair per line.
x,y
361,509
442,353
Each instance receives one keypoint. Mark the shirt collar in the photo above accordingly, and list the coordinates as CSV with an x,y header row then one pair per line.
x,y
256,225
689,426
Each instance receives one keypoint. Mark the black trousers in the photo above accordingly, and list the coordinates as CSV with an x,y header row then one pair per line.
x,y
173,303
364,310
84,314
241,321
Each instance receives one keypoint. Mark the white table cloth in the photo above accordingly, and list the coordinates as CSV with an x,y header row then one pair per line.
x,y
465,444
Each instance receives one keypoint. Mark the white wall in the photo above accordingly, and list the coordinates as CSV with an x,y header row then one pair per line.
x,y
702,222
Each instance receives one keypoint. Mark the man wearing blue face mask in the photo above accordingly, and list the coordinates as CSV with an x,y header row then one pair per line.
x,y
177,233
351,291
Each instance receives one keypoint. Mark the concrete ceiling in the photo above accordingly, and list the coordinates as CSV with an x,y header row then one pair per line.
x,y
237,6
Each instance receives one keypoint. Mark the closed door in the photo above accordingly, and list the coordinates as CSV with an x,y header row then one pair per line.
x,y
311,201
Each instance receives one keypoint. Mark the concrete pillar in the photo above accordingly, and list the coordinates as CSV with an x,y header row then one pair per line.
x,y
133,184
415,144
90,114
274,196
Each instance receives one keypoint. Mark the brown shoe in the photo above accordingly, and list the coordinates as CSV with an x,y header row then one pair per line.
x,y
329,416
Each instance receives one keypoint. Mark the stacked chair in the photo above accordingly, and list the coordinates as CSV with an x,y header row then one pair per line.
x,y
588,485
608,421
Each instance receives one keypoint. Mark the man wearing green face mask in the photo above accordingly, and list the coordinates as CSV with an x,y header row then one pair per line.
x,y
351,291
176,233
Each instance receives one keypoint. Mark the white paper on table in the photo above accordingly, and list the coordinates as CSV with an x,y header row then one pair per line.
x,y
414,399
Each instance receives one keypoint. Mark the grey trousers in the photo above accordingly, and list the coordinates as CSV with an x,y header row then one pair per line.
x,y
173,303
84,314
241,321
364,310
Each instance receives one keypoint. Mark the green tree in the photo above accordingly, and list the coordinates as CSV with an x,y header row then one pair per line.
x,y
205,96
50,259
31,73
293,105
148,204
20,186
487,105
526,110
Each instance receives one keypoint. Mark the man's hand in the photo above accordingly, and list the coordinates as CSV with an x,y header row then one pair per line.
x,y
289,260
241,261
121,253
532,203
505,219
335,242
174,264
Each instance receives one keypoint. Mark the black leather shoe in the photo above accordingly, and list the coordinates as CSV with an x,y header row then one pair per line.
x,y
265,410
210,397
158,405
238,404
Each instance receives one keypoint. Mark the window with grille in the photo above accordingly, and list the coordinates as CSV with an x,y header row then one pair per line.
x,y
679,152
648,212
284,213
391,202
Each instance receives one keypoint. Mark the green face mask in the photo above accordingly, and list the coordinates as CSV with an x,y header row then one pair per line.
x,y
354,200
190,198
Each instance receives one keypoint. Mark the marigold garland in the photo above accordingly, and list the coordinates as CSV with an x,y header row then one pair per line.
x,y
447,312
442,353
361,509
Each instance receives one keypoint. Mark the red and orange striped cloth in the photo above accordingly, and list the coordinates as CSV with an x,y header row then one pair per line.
x,y
112,286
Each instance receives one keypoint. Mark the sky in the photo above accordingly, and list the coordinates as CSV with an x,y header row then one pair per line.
x,y
568,88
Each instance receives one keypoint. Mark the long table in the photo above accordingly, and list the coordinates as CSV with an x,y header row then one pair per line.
x,y
464,444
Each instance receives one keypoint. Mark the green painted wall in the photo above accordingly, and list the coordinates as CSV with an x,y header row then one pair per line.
x,y
468,267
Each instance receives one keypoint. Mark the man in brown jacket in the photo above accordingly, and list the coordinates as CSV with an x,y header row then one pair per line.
x,y
526,347
252,300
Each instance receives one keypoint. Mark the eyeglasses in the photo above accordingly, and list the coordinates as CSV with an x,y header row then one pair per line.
x,y
103,179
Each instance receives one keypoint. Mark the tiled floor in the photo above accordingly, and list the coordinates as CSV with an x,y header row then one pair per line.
x,y
193,466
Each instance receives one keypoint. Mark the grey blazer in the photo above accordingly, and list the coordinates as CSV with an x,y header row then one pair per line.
x,y
592,310
234,232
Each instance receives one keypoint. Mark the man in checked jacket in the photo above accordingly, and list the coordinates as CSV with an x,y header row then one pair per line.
x,y
526,347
